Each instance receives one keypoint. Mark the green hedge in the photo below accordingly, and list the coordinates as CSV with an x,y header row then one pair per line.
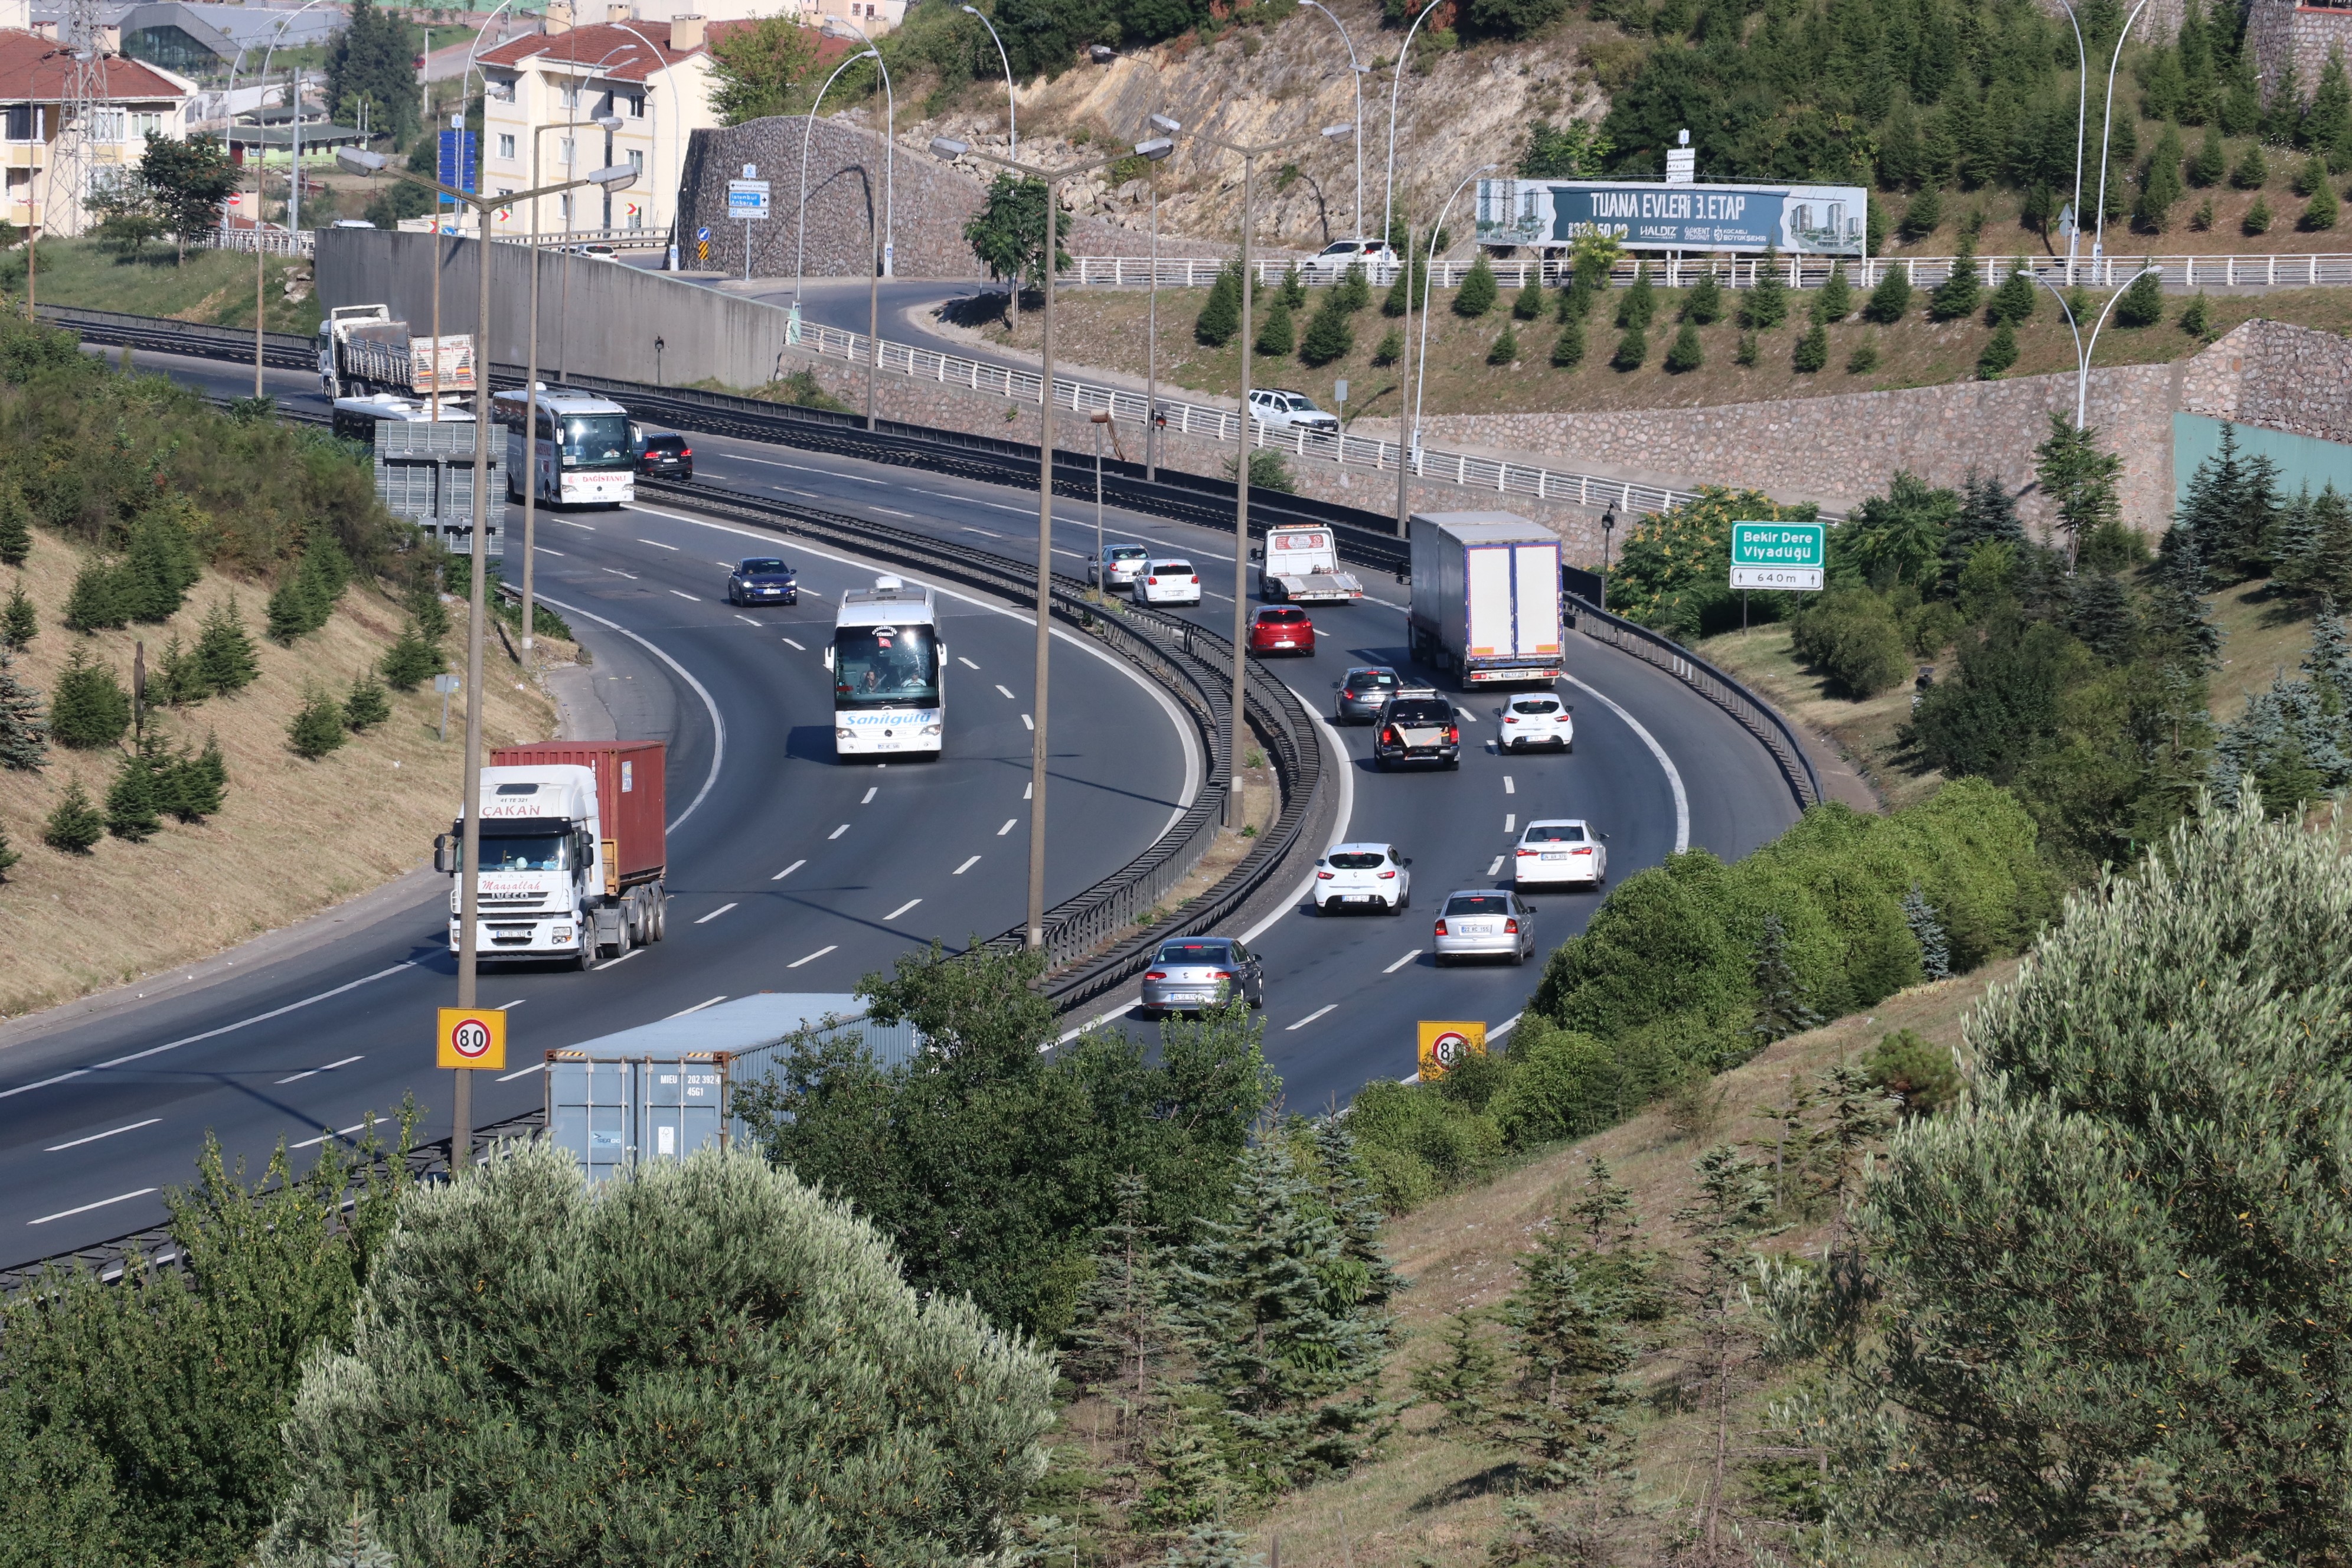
x,y
1660,987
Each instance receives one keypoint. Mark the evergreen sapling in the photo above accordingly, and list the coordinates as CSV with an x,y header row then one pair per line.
x,y
1747,352
1935,947
15,529
74,825
1292,288
2258,218
1702,303
1353,292
1389,349
224,653
2196,317
1780,1007
1685,354
1864,358
1812,351
1958,294
2142,304
89,707
132,810
179,678
96,601
1638,307
24,734
1221,314
1527,304
317,728
1890,299
1834,300
18,622
1329,336
1765,305
1505,349
1568,349
1461,1384
1999,352
1276,335
8,856
1631,349
366,706
2012,302
1478,291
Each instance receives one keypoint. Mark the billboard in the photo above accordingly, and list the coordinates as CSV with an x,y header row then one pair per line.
x,y
1810,220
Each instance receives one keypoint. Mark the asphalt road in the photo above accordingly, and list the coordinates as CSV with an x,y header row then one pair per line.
x,y
1654,767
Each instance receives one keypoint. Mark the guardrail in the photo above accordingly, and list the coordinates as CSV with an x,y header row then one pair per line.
x,y
282,351
1755,715
276,241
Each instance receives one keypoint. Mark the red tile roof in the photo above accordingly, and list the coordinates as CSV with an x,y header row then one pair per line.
x,y
38,71
623,49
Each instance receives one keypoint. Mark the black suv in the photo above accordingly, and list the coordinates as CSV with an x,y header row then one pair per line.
x,y
661,456
1417,727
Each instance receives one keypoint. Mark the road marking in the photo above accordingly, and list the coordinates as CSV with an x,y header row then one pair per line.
x,y
1509,787
332,1066
902,909
1401,963
714,915
582,527
1026,788
788,870
524,1072
616,572
78,1142
812,957
1008,696
1008,826
890,511
965,662
1674,779
1027,722
684,595
1466,715
658,545
623,959
1497,868
543,550
1506,1026
836,833
1310,1018
1510,822
729,565
709,706
871,791
698,1007
794,646
747,620
69,1213
985,534
208,1034
322,1138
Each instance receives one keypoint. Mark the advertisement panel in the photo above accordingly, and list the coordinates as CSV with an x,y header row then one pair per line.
x,y
1810,220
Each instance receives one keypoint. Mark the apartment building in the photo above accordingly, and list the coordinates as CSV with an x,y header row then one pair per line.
x,y
52,160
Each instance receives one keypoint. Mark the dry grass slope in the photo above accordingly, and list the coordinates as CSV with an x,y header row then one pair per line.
x,y
293,837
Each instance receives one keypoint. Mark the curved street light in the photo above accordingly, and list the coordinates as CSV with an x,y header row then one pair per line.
x,y
677,164
260,167
2099,239
2083,353
1420,356
1388,196
1358,72
800,223
2082,110
881,267
1011,103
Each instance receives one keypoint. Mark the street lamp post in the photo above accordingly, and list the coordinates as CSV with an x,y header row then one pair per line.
x,y
2082,111
949,150
1387,196
1166,126
676,168
881,267
1420,359
1409,440
1607,527
1012,101
1358,73
1249,157
2084,349
461,1137
260,167
2099,235
800,223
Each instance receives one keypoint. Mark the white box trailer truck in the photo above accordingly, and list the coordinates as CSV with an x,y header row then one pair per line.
x,y
1486,597
1302,567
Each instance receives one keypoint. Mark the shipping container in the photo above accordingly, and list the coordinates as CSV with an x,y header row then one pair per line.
x,y
1485,596
629,800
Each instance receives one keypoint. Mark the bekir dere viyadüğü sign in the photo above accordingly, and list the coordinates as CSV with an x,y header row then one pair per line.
x,y
1809,220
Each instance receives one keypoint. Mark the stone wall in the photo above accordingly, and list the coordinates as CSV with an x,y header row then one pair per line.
x,y
2281,30
2278,377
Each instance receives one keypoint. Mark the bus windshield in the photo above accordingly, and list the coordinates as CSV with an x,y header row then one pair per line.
x,y
595,440
888,665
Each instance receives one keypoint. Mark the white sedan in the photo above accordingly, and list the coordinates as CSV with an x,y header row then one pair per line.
x,y
1537,719
1562,851
1363,877
1167,582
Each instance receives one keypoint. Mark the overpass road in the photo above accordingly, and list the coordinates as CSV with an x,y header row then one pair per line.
x,y
97,1118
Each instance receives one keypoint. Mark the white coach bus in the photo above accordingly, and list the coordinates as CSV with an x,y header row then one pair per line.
x,y
888,673
582,455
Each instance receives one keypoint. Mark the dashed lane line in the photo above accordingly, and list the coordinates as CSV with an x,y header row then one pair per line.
x,y
658,545
1327,1007
838,832
902,909
102,1203
788,870
965,867
1401,963
133,1127
714,915
812,957
1009,822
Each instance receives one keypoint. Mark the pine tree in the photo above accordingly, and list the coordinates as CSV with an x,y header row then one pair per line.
x,y
2329,662
2142,304
1812,351
96,601
1329,335
1957,295
2253,171
2159,184
1125,1339
2258,217
199,783
1987,515
224,652
1221,314
2196,317
1461,1385
291,612
18,622
8,856
1353,292
1923,217
1210,1546
409,660
1478,291
366,705
355,1544
75,826
1570,1351
1189,1483
1638,306
1834,301
1504,349
132,810
90,708
1935,947
423,602
2320,214
1292,288
1765,305
179,676
1389,349
16,532
1732,1206
2102,617
1527,304
1632,348
1340,1187
1781,1008
2078,478
1890,299
1685,354
1276,335
1999,352
159,568
1702,304
1411,284
1568,349
1747,350
317,728
2210,163
2012,302
24,734
1864,358
2178,615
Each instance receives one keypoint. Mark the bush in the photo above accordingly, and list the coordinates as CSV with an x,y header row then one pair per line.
x,y
90,708
1812,351
1765,305
2143,303
1923,1076
1505,348
1329,335
1686,354
1638,306
1702,303
1999,352
2253,171
2321,214
1568,349
1957,295
1890,299
1451,1140
224,653
1389,349
75,826
367,704
2258,217
1852,636
132,812
1527,304
1221,314
1631,349
1864,358
317,728
1276,335
1478,291
97,601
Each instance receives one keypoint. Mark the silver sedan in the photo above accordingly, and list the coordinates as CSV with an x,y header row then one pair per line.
x,y
1192,973
1485,922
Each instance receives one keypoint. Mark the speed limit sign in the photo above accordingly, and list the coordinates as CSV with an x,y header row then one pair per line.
x,y
471,1038
1446,1044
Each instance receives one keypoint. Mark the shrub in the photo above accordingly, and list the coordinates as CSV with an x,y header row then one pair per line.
x,y
1389,349
1922,1075
75,826
1999,352
1686,354
1765,305
1890,299
1221,312
1702,303
2258,217
1812,351
2253,171
1638,306
367,704
1478,291
2143,303
19,624
317,727
1515,18
131,809
1451,1140
1568,349
1852,636
1930,629
1276,335
1631,349
1527,304
1353,292
1864,358
2196,318
1923,216
1505,348
1957,295
1833,302
15,530
89,707
1329,336
224,652
2320,214
96,602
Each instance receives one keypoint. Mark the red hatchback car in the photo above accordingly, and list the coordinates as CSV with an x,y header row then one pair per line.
x,y
1281,628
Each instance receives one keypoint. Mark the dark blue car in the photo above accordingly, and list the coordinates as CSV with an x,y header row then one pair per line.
x,y
763,580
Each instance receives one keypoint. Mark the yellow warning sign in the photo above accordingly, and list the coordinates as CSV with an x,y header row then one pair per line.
x,y
1445,1044
472,1038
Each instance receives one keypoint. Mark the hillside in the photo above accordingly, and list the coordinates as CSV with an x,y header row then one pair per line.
x,y
292,836
212,287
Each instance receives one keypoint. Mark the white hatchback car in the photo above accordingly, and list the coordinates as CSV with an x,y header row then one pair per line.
x,y
1363,877
1167,582
1536,718
1279,409
1559,851
1331,263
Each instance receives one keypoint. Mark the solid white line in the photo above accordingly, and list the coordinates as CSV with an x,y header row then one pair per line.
x,y
658,545
1008,826
698,1007
788,870
1509,787
747,620
344,1063
891,512
543,550
582,527
623,959
616,572
836,833
965,662
714,915
208,1034
1328,1006
871,791
794,646
1401,963
78,1142
525,1072
1497,868
1028,723
1008,696
1510,822
718,725
812,957
965,867
684,595
902,909
322,1138
1505,1027
1674,779
1340,822
69,1213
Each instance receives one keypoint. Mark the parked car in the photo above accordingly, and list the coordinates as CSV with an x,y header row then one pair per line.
x,y
1537,719
664,455
1363,691
1120,566
1279,410
1333,260
1167,582
1416,725
1189,973
1364,877
1485,922
1281,628
1557,850
763,579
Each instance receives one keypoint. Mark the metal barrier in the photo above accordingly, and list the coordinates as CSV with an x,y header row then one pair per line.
x,y
1755,715
282,351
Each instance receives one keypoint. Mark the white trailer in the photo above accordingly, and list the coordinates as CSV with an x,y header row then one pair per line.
x,y
1302,567
1486,597
362,350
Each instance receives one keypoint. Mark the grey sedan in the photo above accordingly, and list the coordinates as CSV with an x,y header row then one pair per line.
x,y
1485,922
1363,690
1192,973
1121,565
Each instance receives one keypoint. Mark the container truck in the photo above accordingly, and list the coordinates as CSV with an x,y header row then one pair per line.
x,y
1302,567
1486,597
573,851
362,350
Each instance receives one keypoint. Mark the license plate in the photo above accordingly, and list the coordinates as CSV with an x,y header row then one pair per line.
x,y
1556,857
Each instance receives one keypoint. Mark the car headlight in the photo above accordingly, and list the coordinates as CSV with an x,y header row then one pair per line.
x,y
562,933
931,730
843,735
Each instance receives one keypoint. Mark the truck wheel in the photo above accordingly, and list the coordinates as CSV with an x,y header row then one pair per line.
x,y
587,959
661,912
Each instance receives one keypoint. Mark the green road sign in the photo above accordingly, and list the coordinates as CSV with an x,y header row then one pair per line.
x,y
1777,554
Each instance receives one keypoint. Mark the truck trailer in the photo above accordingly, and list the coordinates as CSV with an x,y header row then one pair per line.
x,y
362,350
1486,597
1302,567
573,851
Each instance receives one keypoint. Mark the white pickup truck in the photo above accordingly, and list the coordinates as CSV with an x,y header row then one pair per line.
x,y
1302,567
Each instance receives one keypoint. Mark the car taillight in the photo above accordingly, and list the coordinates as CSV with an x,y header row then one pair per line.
x,y
1322,875
1222,975
1510,719
1194,581
1388,737
1441,928
1453,735
1510,928
1586,850
1155,975
1388,876
1153,581
686,451
1526,852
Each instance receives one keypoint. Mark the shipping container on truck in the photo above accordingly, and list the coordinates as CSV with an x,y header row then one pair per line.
x,y
1486,597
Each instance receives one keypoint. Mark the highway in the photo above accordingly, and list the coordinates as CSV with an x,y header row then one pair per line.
x,y
787,874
